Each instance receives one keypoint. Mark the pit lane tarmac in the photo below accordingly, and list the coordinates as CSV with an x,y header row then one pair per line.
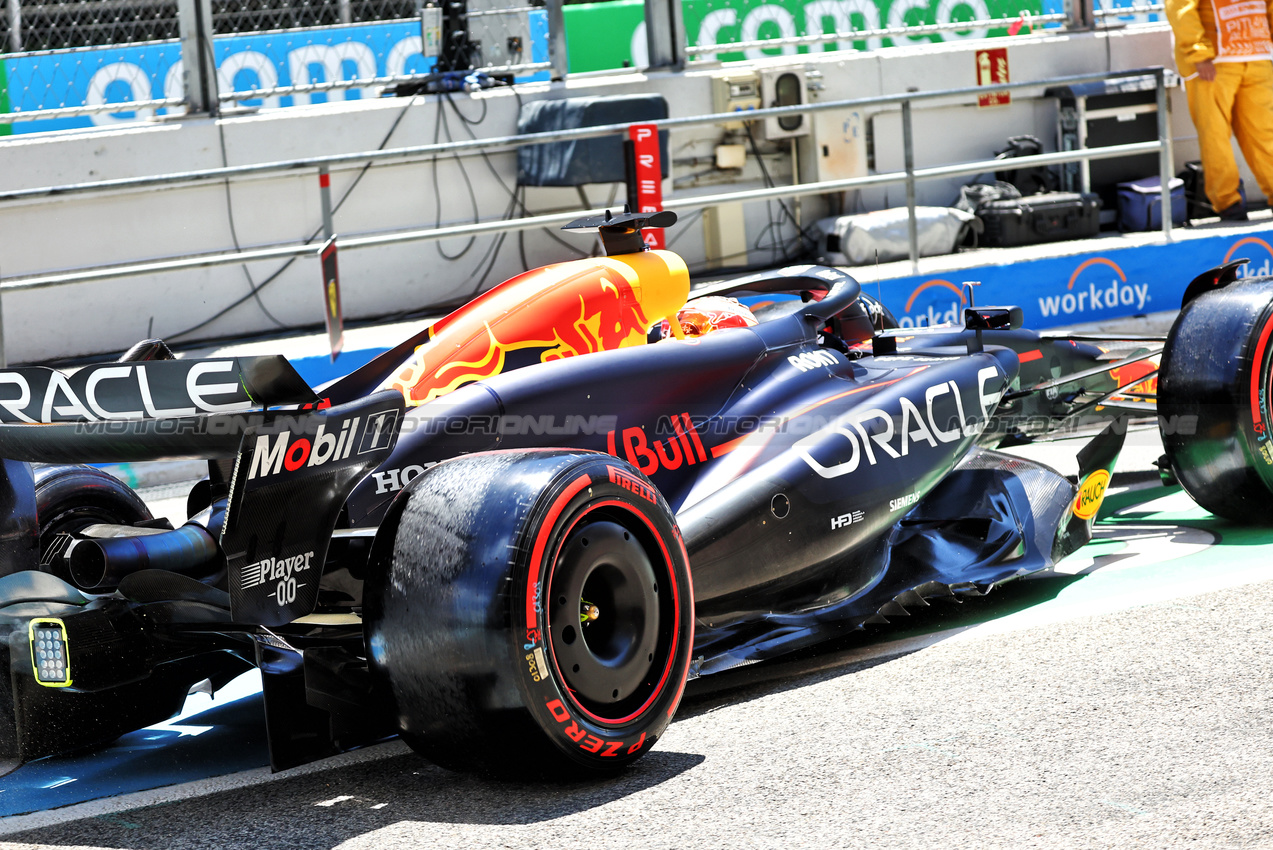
x,y
1123,700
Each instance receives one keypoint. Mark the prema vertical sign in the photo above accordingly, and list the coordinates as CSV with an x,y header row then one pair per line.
x,y
649,176
331,297
992,69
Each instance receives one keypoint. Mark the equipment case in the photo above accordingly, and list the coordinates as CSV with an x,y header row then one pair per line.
x,y
1140,203
1032,219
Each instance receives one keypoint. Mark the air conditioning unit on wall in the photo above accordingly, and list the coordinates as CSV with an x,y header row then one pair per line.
x,y
784,87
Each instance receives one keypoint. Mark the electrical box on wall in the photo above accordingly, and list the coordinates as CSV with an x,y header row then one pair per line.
x,y
836,148
739,92
784,87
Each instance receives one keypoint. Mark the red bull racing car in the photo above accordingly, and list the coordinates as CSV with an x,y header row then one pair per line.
x,y
513,538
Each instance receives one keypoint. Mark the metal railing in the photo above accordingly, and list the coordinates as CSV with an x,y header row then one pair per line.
x,y
1137,9
910,174
878,32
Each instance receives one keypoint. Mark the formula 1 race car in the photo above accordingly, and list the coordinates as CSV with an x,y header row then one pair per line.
x,y
513,538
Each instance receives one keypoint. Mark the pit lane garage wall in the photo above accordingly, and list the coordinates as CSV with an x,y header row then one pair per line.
x,y
45,234
599,36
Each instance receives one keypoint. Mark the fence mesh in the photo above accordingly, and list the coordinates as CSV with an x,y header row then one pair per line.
x,y
29,26
33,25
237,17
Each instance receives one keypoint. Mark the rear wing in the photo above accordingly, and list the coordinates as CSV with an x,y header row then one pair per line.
x,y
142,410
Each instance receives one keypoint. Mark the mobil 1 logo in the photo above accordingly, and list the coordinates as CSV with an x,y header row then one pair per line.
x,y
290,484
332,441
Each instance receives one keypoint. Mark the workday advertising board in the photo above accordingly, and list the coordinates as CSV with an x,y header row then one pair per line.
x,y
1090,287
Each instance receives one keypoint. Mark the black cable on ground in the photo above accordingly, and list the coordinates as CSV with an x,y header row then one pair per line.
x,y
437,190
254,290
288,263
518,199
801,232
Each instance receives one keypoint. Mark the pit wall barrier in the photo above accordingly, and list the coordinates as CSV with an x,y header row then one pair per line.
x,y
599,36
709,22
604,36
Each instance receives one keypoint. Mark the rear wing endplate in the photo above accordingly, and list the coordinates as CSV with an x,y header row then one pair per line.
x,y
290,482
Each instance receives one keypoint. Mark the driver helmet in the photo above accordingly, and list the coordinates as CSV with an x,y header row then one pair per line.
x,y
713,312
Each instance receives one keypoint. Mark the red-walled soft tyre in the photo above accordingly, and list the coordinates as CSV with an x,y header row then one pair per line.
x,y
1215,387
531,613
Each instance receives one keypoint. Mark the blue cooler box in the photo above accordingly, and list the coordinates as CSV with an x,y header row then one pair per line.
x,y
1140,202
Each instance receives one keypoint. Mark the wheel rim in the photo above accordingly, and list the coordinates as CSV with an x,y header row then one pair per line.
x,y
609,618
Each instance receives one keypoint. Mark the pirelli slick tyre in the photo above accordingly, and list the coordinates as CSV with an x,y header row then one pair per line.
x,y
1214,389
531,613
68,498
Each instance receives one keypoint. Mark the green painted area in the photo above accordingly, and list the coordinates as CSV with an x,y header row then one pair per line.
x,y
599,35
1240,555
1165,569
5,129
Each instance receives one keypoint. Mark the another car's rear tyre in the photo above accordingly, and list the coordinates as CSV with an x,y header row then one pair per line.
x,y
1214,389
531,613
69,498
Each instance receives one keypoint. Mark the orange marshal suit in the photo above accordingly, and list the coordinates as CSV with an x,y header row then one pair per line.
x,y
1234,35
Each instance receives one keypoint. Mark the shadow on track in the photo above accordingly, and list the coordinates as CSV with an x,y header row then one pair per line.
x,y
874,645
327,808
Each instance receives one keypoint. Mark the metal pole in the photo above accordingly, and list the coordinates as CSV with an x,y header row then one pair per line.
x,y
208,57
908,155
665,34
325,198
15,34
1164,154
795,181
1080,14
346,10
557,39
1085,167
4,363
194,21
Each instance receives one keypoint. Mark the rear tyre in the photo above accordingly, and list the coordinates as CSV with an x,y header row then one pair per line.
x,y
1214,389
69,498
531,613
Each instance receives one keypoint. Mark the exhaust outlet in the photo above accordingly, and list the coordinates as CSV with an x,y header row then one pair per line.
x,y
99,564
